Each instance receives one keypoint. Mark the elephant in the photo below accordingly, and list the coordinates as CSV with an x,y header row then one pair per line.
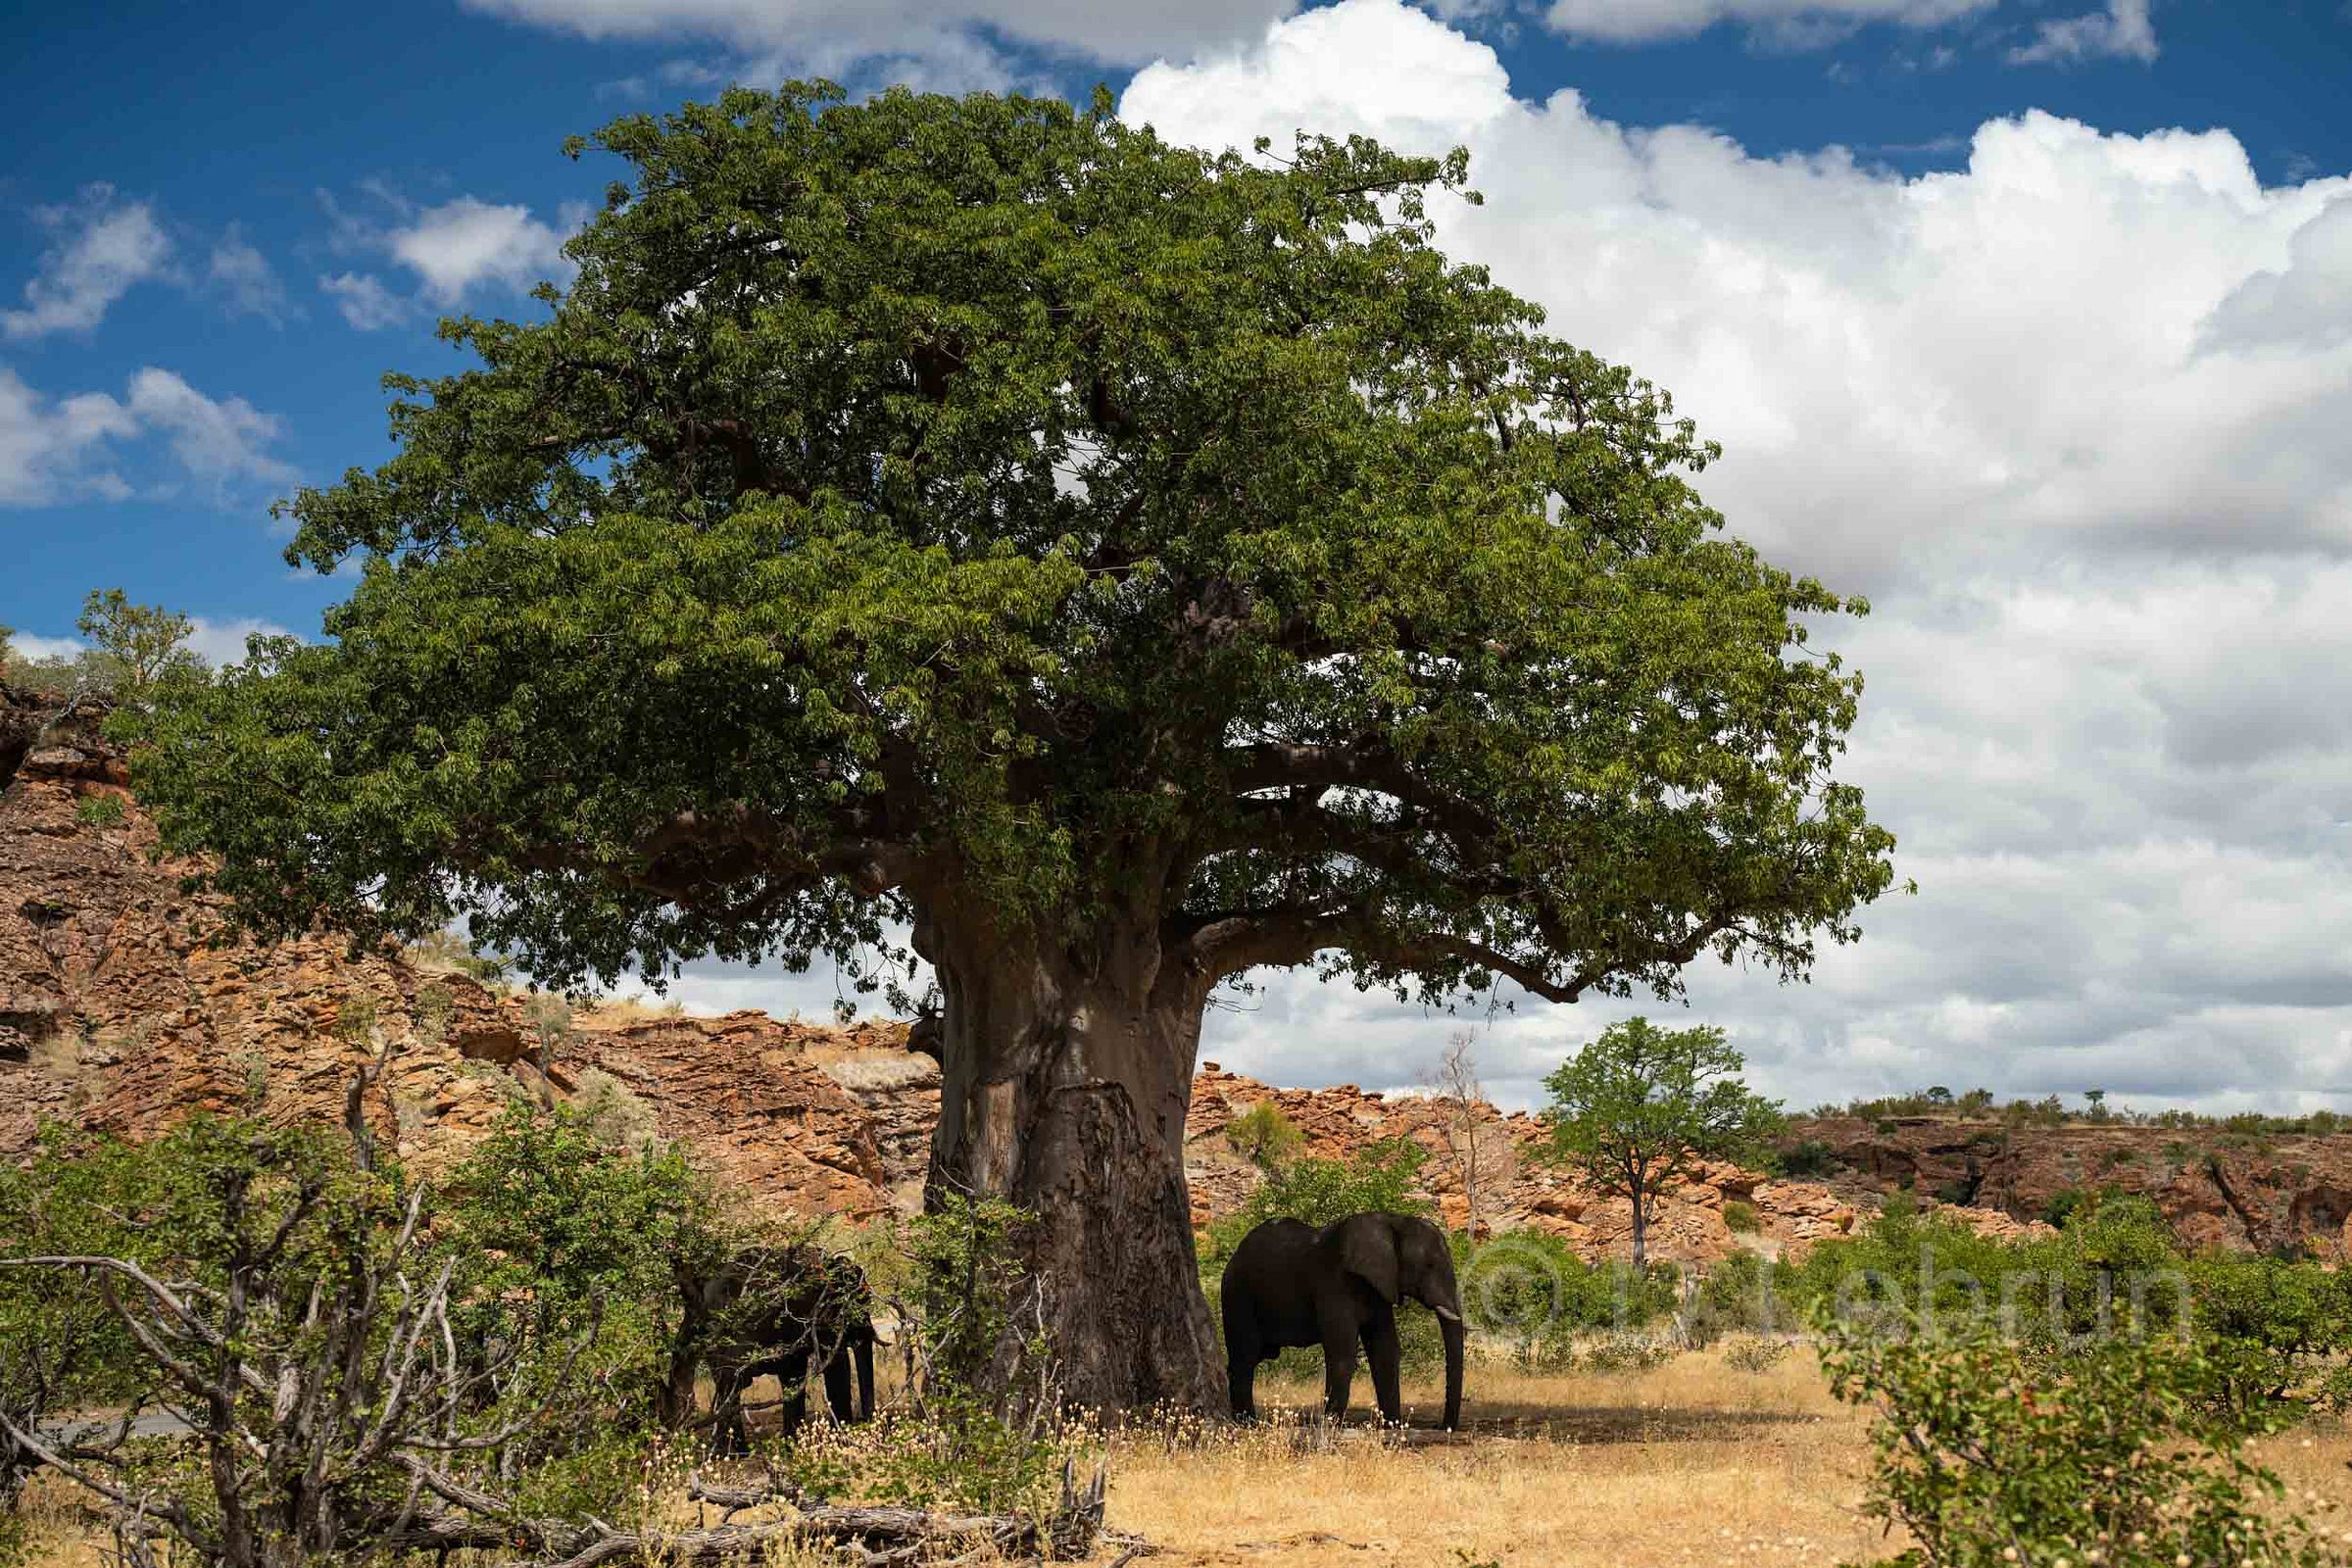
x,y
767,1312
1289,1283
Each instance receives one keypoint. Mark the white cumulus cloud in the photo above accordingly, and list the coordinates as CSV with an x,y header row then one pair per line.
x,y
1650,20
363,301
53,449
44,443
2305,303
2072,415
941,42
247,284
465,243
2121,31
104,248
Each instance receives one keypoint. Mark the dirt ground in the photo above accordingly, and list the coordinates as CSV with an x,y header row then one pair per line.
x,y
1695,1463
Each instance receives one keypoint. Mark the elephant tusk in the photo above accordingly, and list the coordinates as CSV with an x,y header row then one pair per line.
x,y
1448,1313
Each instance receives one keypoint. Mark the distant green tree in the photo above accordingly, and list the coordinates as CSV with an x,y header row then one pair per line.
x,y
1264,1135
133,646
1119,567
1635,1110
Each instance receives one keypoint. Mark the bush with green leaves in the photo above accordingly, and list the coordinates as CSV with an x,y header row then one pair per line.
x,y
1745,1293
580,1229
980,1424
294,1317
1800,1158
2115,1267
61,1349
1530,1293
1265,1136
2276,1334
1990,1455
1756,1354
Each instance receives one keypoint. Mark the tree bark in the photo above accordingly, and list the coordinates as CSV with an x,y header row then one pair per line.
x,y
1063,1088
1641,1199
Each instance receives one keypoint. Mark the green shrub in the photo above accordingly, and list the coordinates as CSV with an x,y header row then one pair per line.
x,y
1741,1219
982,1428
1623,1350
1534,1294
1264,1135
99,811
2275,1333
1757,1354
59,1348
1744,1293
581,1231
1990,1457
1807,1158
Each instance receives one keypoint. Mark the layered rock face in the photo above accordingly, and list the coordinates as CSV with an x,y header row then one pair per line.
x,y
117,1015
2217,1188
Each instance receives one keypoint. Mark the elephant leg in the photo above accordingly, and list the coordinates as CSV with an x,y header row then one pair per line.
x,y
726,1408
1339,1362
1240,1371
865,1375
792,1372
1387,1355
837,1384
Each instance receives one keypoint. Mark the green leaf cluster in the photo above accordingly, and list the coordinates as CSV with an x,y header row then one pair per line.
x,y
1639,1106
1990,1457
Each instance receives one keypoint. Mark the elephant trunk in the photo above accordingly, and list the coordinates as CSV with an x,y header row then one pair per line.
x,y
1450,1327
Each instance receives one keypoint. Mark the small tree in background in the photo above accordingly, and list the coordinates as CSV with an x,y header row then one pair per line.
x,y
133,646
1265,1136
1458,1089
1633,1110
550,1019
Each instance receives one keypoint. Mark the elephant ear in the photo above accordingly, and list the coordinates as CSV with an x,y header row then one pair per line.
x,y
1368,1250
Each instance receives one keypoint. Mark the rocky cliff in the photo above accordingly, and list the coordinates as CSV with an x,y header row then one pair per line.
x,y
118,1014
2216,1187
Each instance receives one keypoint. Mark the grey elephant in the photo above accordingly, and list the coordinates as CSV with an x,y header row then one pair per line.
x,y
769,1311
1289,1283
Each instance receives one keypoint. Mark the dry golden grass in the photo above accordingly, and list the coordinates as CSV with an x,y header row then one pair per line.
x,y
1694,1462
608,1014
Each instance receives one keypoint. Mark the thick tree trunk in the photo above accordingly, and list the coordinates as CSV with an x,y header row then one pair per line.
x,y
1064,1090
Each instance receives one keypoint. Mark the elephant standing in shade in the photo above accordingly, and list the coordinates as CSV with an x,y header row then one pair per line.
x,y
1289,1283
768,1311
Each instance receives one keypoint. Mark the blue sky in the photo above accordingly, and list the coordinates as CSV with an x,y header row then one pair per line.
x,y
2031,320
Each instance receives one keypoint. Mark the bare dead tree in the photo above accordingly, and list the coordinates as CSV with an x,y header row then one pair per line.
x,y
1458,1089
306,1351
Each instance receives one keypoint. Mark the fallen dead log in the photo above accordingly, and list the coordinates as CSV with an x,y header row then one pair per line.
x,y
875,1537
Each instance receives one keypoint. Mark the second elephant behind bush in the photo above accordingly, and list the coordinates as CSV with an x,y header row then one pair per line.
x,y
770,1311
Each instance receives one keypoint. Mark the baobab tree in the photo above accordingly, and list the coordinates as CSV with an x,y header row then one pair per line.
x,y
975,527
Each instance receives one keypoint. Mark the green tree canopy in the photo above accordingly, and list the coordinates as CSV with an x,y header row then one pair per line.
x,y
133,646
1633,1110
1124,565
